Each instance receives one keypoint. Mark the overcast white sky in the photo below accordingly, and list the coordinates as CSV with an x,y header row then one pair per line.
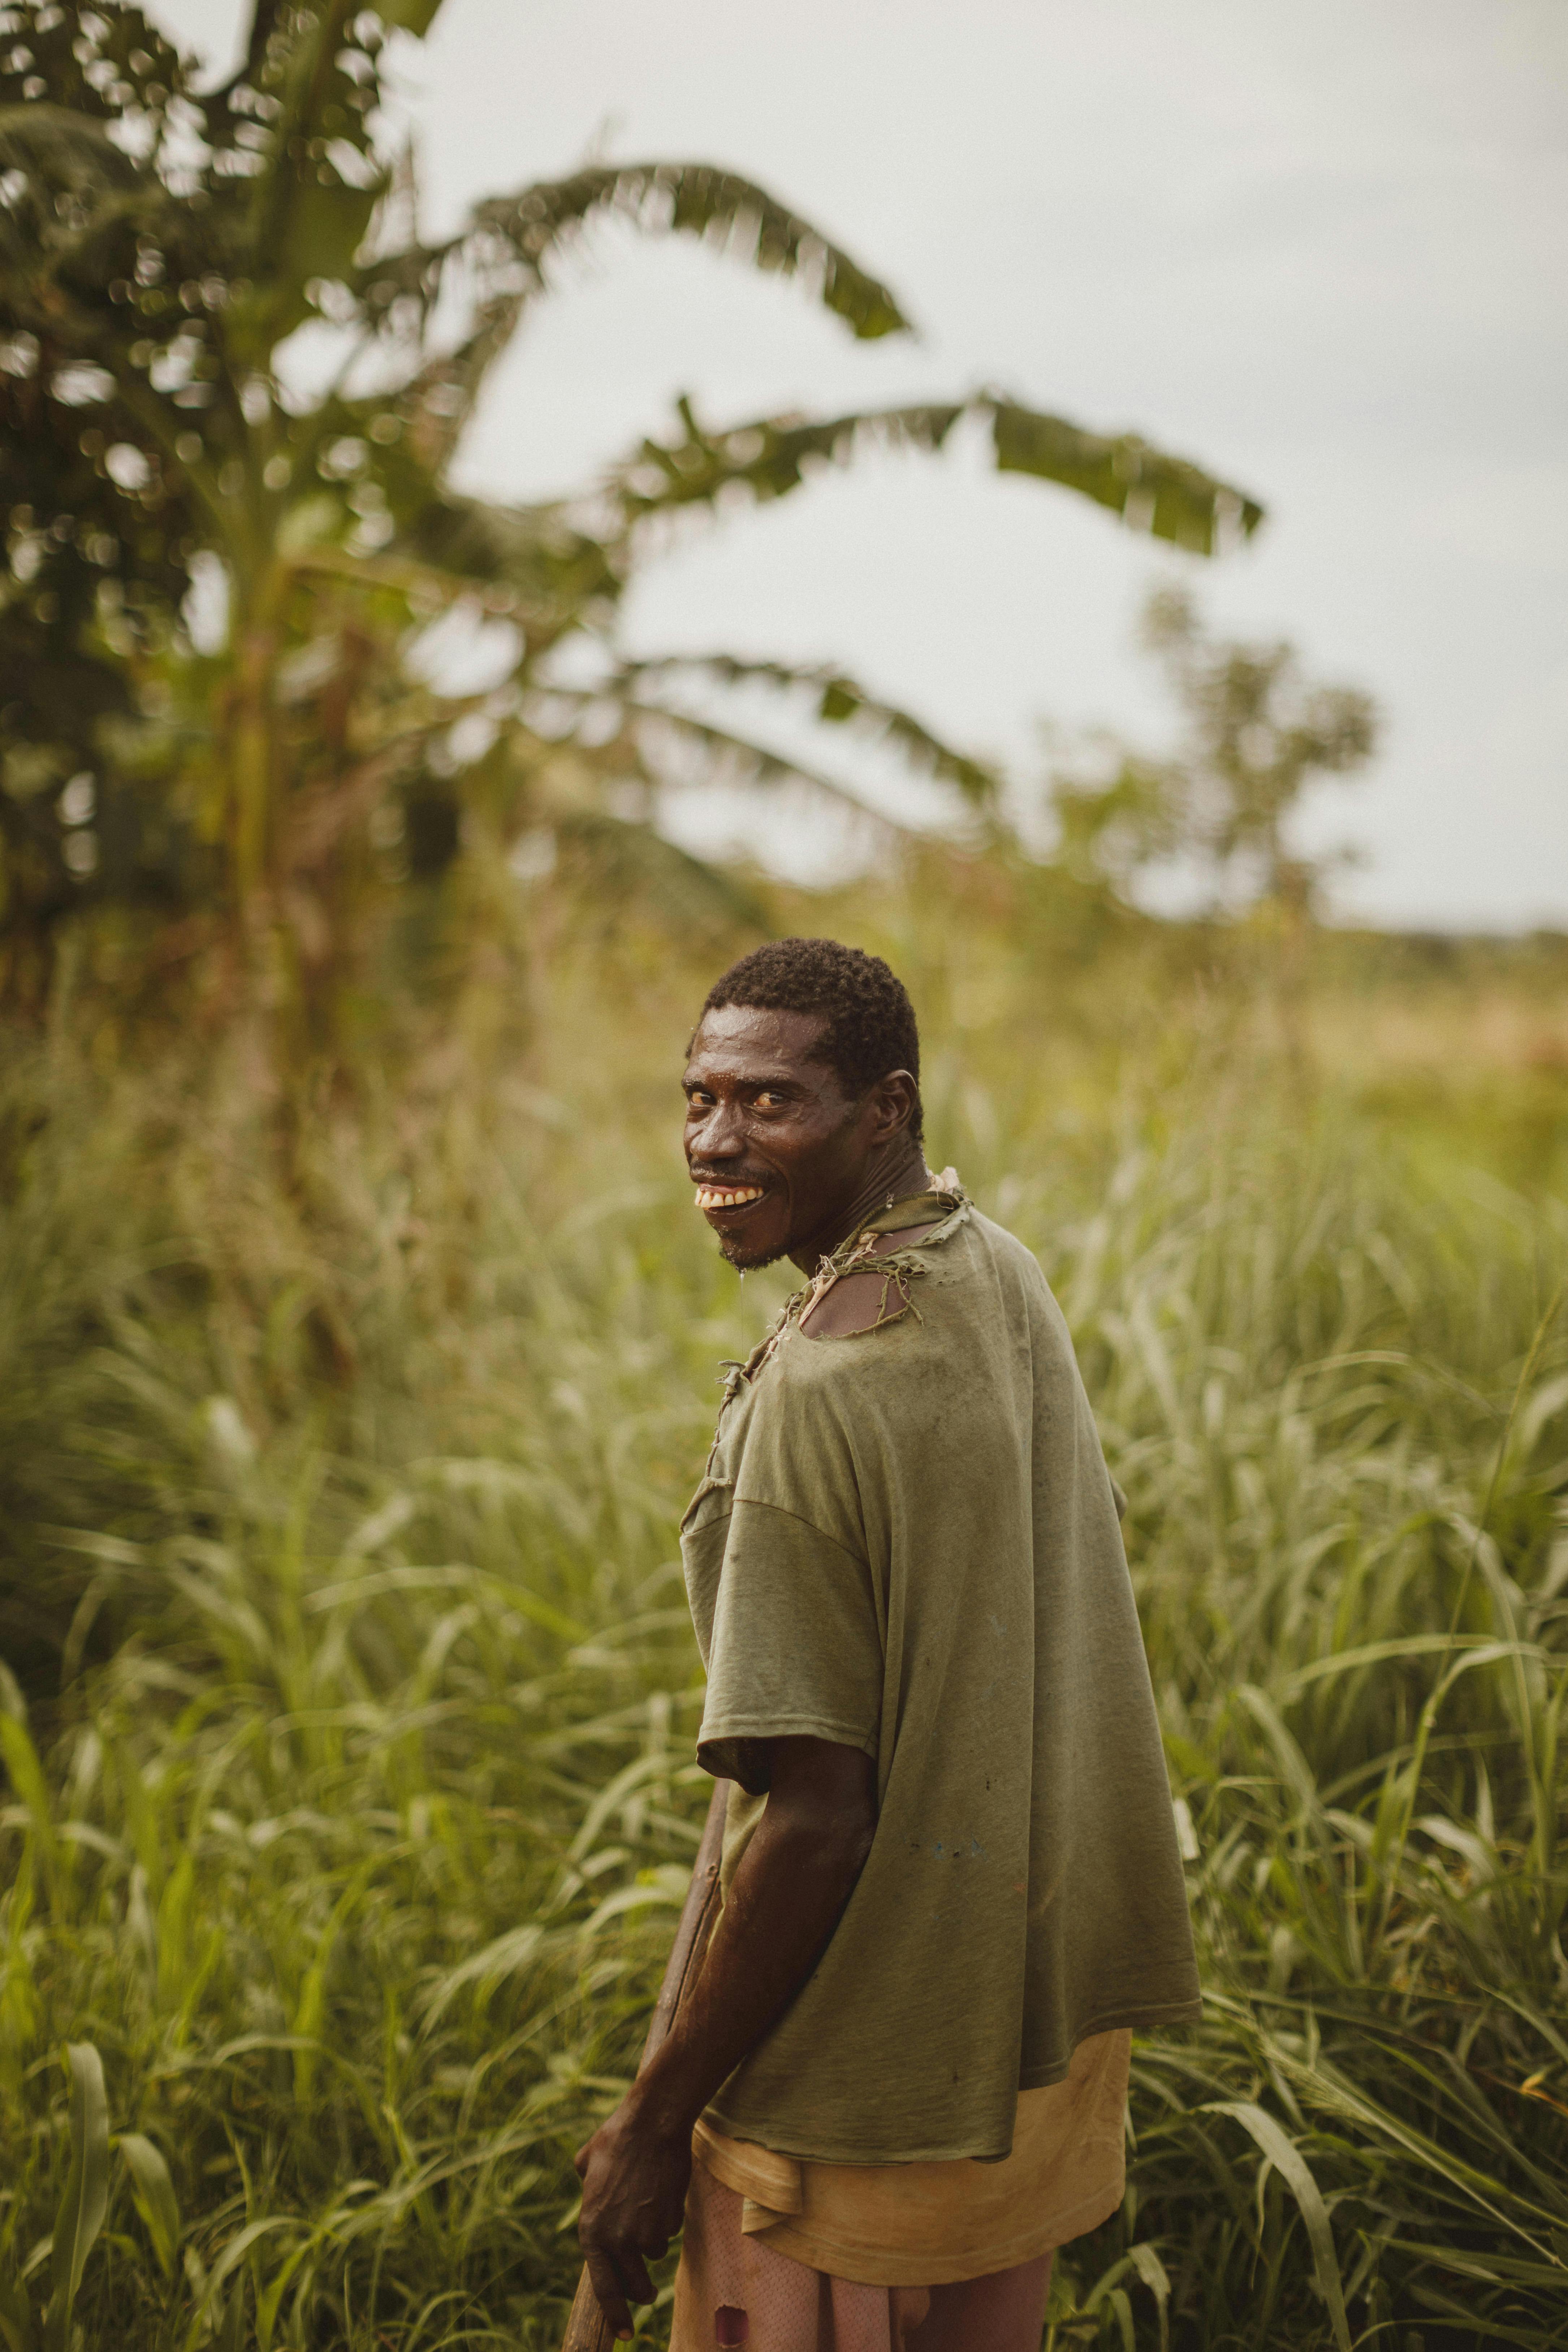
x,y
1324,250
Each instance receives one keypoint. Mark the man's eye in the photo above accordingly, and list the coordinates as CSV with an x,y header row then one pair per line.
x,y
768,1100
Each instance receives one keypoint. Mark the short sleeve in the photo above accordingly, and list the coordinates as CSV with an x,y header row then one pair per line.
x,y
796,1649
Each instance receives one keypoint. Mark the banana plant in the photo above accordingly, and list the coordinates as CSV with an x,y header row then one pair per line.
x,y
267,772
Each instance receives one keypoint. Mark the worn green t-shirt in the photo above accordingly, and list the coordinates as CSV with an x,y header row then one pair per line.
x,y
908,1541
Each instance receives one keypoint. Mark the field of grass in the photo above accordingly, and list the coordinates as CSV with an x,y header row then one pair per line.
x,y
348,1712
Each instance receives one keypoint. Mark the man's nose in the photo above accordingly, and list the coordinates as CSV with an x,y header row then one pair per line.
x,y
716,1134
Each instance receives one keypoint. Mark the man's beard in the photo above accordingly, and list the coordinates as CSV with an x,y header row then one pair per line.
x,y
753,1261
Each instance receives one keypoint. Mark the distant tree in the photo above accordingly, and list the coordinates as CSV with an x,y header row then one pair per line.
x,y
1256,733
266,772
1110,828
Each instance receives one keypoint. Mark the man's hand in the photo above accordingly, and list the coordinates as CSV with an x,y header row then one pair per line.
x,y
791,1883
635,2175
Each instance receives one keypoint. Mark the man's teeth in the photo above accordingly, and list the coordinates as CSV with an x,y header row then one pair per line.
x,y
719,1196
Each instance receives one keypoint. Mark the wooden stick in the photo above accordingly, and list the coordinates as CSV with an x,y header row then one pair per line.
x,y
588,2330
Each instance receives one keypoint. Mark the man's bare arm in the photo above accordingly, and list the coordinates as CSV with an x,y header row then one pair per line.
x,y
793,1880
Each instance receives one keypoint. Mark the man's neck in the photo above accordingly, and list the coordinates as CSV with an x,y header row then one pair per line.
x,y
903,1181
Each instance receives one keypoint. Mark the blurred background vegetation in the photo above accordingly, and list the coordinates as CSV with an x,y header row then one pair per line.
x,y
357,1347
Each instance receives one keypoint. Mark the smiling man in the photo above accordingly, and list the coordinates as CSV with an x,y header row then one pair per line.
x,y
950,1883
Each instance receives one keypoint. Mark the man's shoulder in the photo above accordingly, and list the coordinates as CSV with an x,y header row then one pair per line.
x,y
994,1246
1001,1242
940,1290
924,1303
877,1293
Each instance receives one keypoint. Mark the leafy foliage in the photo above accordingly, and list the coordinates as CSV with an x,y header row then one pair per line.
x,y
268,748
357,1835
1257,733
1167,496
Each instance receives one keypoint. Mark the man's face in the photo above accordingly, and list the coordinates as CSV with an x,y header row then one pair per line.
x,y
777,1150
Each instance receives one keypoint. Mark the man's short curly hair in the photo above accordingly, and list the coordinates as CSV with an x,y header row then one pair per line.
x,y
870,1021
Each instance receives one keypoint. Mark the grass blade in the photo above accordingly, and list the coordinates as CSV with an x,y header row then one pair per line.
x,y
16,2317
1292,2167
154,2193
86,2198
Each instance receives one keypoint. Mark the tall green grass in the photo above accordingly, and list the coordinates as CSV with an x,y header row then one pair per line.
x,y
349,1727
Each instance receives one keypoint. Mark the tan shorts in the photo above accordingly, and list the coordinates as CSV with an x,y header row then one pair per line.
x,y
734,2290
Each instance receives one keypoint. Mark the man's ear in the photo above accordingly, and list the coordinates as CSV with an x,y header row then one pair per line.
x,y
896,1097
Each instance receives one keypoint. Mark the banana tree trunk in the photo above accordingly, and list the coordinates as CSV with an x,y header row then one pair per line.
x,y
253,764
